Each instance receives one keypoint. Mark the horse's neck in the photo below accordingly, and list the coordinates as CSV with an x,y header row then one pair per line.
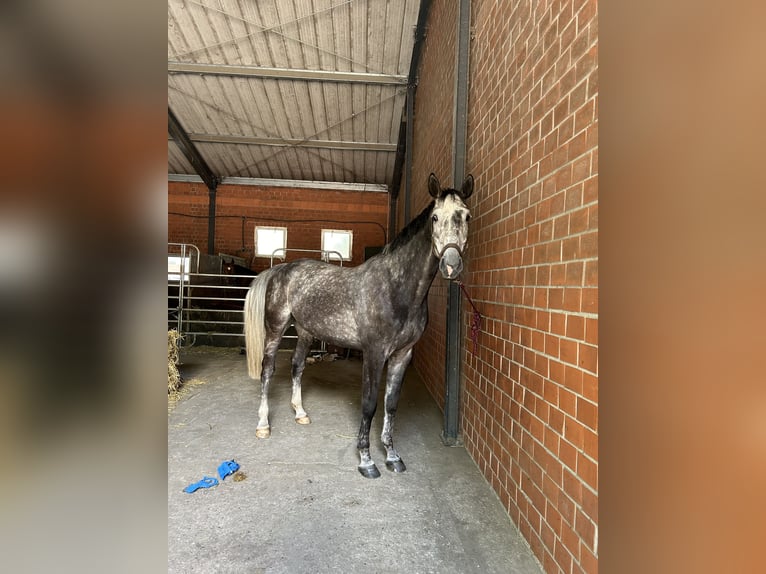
x,y
418,266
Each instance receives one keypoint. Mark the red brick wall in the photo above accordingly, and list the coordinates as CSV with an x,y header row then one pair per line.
x,y
529,404
365,213
433,153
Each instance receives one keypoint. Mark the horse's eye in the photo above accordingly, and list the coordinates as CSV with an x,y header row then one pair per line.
x,y
468,218
435,218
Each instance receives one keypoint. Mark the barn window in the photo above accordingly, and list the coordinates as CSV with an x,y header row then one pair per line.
x,y
176,265
269,239
337,240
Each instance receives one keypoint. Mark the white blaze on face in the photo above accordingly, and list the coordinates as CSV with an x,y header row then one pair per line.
x,y
450,227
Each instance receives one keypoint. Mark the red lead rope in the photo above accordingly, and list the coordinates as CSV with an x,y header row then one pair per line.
x,y
475,319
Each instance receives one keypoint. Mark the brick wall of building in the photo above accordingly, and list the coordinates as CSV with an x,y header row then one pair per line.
x,y
305,212
529,402
433,153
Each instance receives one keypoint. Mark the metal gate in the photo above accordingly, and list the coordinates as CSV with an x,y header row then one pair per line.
x,y
211,305
204,304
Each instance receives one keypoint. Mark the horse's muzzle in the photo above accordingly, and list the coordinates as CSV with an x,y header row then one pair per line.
x,y
450,263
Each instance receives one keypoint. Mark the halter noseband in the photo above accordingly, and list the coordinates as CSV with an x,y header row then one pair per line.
x,y
440,254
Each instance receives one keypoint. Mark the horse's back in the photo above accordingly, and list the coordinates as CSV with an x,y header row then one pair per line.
x,y
308,275
319,296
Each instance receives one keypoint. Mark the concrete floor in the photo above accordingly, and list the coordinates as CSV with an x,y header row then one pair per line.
x,y
303,507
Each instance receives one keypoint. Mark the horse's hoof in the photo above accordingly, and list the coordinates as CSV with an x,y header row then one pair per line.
x,y
369,471
303,420
396,465
263,433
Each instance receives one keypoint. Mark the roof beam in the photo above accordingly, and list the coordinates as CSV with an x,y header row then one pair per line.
x,y
332,144
177,132
291,183
284,73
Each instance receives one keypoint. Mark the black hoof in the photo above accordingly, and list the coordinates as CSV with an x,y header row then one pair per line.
x,y
369,471
396,465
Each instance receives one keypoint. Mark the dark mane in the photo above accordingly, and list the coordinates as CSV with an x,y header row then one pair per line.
x,y
417,224
412,229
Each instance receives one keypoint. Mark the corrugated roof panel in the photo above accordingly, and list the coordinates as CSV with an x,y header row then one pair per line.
x,y
367,36
315,34
238,106
236,160
177,162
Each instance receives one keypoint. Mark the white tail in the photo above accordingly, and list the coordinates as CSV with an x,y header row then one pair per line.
x,y
255,329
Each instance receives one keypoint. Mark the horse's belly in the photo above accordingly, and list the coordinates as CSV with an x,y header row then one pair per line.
x,y
339,331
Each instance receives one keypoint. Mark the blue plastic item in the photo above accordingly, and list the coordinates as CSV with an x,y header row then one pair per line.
x,y
226,468
206,482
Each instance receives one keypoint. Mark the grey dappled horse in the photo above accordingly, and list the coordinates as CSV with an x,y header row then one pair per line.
x,y
378,307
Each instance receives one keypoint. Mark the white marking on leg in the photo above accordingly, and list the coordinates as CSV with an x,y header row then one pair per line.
x,y
263,430
297,403
364,457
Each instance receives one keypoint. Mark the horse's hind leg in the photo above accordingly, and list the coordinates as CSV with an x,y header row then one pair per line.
x,y
263,430
397,364
298,364
274,332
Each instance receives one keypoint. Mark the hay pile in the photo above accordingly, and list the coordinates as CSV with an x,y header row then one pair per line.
x,y
177,388
174,377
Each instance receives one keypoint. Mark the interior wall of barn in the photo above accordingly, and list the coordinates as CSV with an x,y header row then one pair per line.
x,y
529,396
304,212
432,152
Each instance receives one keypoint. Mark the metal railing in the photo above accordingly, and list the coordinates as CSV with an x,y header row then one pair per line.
x,y
209,308
208,304
182,250
212,304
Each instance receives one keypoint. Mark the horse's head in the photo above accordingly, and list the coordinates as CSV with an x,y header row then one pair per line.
x,y
449,225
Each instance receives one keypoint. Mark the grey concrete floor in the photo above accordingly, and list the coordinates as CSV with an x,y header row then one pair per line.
x,y
303,507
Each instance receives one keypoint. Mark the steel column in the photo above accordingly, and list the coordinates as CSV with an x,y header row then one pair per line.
x,y
412,81
408,153
454,350
211,221
393,206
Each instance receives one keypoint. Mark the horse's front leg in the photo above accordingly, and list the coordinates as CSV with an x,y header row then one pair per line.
x,y
372,369
397,364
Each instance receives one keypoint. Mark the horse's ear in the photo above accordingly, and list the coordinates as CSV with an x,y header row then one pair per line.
x,y
433,186
467,189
